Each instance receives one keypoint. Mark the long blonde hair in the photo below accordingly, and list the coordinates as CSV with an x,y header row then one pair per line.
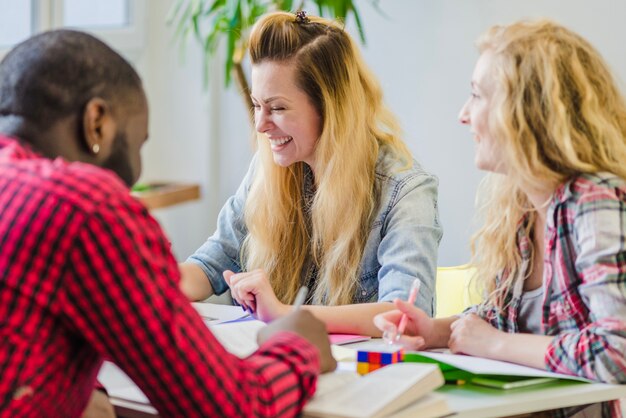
x,y
330,70
557,113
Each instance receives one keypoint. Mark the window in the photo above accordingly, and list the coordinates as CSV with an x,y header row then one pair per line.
x,y
120,23
93,14
16,22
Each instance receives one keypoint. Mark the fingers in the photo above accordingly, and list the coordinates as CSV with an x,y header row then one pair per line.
x,y
239,293
413,317
407,308
463,331
390,335
248,305
455,324
411,343
465,323
386,321
253,291
228,274
455,345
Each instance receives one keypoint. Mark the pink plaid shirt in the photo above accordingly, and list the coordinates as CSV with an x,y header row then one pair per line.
x,y
584,305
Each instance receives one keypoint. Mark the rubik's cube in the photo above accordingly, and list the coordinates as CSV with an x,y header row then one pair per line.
x,y
375,358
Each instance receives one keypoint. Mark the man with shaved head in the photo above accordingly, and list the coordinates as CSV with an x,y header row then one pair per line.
x,y
86,273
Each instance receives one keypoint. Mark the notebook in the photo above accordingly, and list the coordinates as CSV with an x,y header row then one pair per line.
x,y
340,339
398,390
487,372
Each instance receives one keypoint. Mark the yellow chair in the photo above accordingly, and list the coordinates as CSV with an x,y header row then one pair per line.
x,y
453,291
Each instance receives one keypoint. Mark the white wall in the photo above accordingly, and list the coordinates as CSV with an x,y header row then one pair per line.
x,y
423,54
190,138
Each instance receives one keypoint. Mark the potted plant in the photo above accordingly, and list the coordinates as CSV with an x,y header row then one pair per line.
x,y
211,21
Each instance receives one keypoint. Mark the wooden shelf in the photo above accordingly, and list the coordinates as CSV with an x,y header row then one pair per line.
x,y
160,195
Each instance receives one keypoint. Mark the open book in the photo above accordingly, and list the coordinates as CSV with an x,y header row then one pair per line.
x,y
399,390
486,372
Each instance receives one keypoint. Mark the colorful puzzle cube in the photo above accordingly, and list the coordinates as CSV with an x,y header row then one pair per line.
x,y
376,357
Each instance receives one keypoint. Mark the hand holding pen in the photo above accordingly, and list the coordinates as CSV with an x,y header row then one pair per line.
x,y
253,291
391,335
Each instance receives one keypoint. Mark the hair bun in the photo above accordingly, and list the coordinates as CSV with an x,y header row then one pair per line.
x,y
301,17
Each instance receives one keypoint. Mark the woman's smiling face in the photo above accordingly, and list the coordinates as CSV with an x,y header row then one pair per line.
x,y
284,113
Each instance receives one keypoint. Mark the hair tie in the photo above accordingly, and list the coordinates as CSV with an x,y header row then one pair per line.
x,y
301,17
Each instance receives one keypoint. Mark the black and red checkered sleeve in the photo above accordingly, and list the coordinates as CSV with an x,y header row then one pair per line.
x,y
122,295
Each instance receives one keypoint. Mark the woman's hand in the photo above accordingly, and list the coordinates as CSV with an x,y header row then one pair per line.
x,y
470,334
253,289
419,327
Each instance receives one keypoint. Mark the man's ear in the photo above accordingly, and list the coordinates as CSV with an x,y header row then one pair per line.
x,y
99,126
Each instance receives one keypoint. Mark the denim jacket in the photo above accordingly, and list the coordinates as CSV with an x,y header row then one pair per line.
x,y
402,244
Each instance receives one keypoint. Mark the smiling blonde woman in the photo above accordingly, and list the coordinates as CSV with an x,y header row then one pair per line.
x,y
550,126
333,199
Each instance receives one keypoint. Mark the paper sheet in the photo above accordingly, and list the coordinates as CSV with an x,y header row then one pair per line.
x,y
214,314
119,385
239,337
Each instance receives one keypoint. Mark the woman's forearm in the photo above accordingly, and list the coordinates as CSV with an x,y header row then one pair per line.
x,y
193,282
525,349
441,332
351,319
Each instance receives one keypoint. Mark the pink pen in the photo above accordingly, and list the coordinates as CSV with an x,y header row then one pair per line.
x,y
415,288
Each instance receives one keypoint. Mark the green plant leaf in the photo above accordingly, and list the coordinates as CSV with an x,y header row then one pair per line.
x,y
214,7
284,5
233,35
174,11
211,21
357,20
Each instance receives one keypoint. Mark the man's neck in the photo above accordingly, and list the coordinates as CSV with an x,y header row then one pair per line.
x,y
14,126
58,140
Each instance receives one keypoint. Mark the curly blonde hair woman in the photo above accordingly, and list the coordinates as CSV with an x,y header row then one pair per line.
x,y
333,200
550,124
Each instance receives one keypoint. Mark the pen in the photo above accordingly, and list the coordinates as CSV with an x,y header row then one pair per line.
x,y
300,297
390,339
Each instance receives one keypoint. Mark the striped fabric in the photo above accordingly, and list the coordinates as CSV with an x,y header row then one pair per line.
x,y
584,304
85,274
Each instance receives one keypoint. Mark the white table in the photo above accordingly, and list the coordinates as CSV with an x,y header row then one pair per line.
x,y
468,401
471,401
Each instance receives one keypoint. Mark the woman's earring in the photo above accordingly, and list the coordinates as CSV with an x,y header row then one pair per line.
x,y
95,148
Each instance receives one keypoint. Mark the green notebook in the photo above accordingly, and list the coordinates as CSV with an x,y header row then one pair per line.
x,y
484,372
510,382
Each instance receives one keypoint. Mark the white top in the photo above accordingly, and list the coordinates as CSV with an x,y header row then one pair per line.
x,y
530,311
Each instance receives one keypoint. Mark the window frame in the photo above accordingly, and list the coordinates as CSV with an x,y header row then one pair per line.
x,y
129,40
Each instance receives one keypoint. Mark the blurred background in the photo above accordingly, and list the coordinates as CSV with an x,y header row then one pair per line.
x,y
421,50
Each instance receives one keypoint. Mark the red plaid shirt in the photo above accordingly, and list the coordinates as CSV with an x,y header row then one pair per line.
x,y
86,273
